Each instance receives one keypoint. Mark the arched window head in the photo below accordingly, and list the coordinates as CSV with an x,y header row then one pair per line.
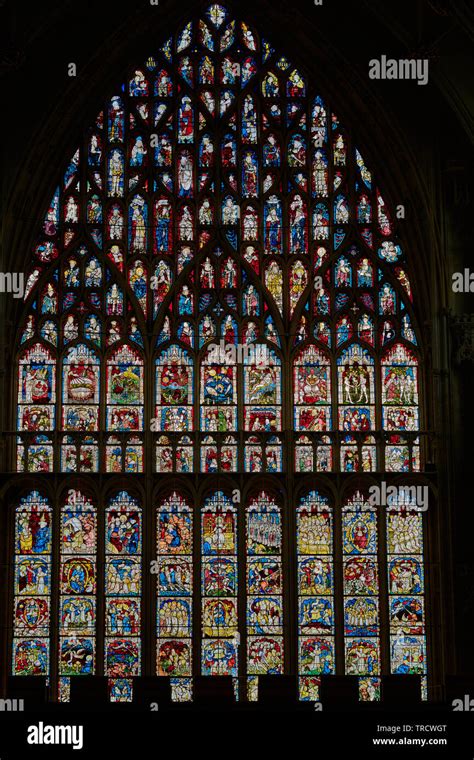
x,y
219,202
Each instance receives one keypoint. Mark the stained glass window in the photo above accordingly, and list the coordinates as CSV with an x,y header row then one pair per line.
x,y
219,289
275,232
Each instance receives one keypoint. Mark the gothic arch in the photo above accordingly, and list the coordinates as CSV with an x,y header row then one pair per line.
x,y
217,198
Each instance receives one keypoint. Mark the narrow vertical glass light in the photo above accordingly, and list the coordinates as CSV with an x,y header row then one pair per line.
x,y
174,544
219,655
400,413
123,548
264,590
406,585
78,581
31,615
361,590
36,409
314,521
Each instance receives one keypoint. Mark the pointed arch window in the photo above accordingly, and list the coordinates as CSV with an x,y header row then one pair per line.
x,y
219,288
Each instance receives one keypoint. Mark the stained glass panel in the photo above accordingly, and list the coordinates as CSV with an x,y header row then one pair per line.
x,y
264,576
219,655
314,521
123,588
78,589
174,592
219,288
32,602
